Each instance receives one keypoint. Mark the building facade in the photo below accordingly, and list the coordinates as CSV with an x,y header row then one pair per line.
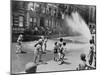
x,y
45,18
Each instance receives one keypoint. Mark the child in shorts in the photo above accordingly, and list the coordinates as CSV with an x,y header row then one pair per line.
x,y
19,44
91,55
61,53
56,51
37,52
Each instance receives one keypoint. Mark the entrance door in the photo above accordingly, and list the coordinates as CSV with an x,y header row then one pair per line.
x,y
42,21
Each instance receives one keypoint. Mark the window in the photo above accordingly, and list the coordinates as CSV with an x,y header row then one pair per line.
x,y
34,21
50,23
21,19
30,5
46,22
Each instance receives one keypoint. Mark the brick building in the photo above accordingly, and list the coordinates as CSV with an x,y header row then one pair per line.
x,y
41,18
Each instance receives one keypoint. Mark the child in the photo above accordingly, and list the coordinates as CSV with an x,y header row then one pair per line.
x,y
91,55
19,44
37,52
41,41
83,65
56,51
60,42
19,48
45,44
62,54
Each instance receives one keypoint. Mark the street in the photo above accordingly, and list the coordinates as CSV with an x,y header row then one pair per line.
x,y
37,21
72,57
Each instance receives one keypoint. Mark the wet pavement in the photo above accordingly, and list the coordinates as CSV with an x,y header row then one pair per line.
x,y
72,57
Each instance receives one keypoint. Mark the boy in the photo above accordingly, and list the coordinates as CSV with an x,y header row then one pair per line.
x,y
37,52
60,43
62,54
56,47
41,41
19,44
45,44
83,65
91,55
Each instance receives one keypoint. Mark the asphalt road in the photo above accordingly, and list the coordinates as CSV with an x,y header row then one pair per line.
x,y
72,57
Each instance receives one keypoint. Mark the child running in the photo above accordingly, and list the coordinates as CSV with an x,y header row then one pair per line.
x,y
19,44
